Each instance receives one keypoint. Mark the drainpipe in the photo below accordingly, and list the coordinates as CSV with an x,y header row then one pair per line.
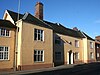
x,y
15,51
16,39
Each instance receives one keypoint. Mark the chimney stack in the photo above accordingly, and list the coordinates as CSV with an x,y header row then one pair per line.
x,y
39,10
75,28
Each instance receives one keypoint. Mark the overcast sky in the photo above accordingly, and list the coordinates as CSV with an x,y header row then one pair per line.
x,y
83,14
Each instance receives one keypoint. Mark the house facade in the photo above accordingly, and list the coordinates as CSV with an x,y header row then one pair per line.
x,y
71,46
42,44
7,45
97,47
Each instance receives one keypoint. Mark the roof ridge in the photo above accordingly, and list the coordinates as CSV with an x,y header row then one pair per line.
x,y
62,26
13,12
25,15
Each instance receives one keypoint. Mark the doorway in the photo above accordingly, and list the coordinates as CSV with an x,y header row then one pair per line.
x,y
70,57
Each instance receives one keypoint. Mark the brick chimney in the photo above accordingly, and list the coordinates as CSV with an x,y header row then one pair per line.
x,y
75,28
39,10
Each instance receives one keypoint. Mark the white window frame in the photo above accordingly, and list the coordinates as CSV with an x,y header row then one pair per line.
x,y
41,35
4,47
5,31
76,43
91,45
91,55
98,55
37,51
76,53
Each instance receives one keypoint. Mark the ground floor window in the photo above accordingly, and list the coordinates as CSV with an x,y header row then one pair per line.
x,y
4,53
76,55
91,55
98,54
57,55
38,55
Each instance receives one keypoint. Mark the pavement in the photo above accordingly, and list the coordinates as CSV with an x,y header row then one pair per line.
x,y
38,70
76,69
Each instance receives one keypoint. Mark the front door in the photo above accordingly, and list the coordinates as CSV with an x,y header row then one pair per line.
x,y
70,57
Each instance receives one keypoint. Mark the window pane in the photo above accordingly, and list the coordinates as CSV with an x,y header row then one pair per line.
x,y
38,34
35,52
39,56
1,48
38,52
58,55
39,37
76,55
1,55
76,43
91,44
41,52
35,34
6,48
7,32
91,55
2,32
34,57
4,53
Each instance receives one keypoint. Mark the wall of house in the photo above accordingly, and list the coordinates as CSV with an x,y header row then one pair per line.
x,y
8,17
97,49
91,50
28,45
8,65
88,50
85,50
19,44
65,47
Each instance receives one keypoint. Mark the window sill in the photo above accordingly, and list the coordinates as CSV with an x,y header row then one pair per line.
x,y
38,41
3,60
76,47
38,61
5,36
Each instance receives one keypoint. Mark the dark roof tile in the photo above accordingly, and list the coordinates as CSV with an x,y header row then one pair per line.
x,y
6,23
31,19
14,15
65,31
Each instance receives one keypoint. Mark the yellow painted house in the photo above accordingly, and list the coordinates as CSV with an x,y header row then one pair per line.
x,y
41,44
7,45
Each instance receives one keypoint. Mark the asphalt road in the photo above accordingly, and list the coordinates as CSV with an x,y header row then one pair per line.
x,y
84,69
81,69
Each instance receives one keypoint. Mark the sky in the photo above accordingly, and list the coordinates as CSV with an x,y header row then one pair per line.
x,y
83,14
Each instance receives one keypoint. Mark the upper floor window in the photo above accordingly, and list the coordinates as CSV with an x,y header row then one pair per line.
x,y
38,55
76,43
38,35
91,44
4,53
4,32
57,40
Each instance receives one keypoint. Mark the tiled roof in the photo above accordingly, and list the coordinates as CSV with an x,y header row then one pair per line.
x,y
97,42
88,37
31,19
6,23
14,15
27,17
65,31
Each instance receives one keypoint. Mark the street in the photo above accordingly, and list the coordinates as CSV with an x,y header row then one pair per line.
x,y
84,69
74,69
